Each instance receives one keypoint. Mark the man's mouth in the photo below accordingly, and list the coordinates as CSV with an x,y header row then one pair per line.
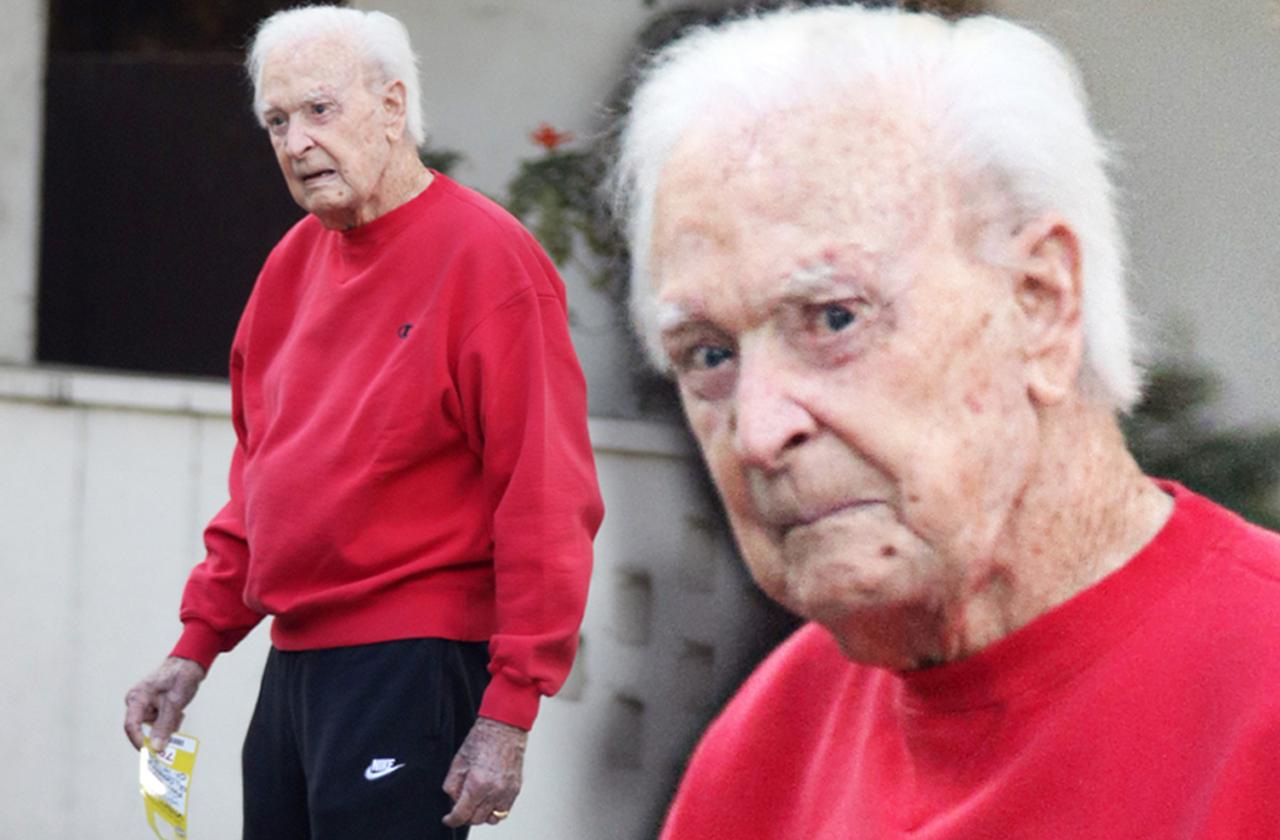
x,y
317,175
803,519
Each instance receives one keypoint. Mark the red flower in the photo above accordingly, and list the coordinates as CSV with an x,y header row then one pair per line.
x,y
548,138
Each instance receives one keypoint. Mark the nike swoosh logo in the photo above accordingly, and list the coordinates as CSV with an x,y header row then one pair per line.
x,y
373,773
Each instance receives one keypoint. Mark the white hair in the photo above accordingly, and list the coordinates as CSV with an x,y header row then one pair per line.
x,y
1001,107
382,41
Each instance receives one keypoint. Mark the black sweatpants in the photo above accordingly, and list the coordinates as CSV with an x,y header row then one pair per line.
x,y
352,743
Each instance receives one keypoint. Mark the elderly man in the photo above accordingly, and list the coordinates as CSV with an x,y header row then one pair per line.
x,y
413,496
878,252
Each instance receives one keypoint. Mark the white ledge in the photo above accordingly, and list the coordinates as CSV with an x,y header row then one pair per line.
x,y
126,391
640,437
74,387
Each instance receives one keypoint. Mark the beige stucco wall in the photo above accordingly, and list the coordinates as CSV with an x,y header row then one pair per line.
x,y
1189,93
22,41
106,483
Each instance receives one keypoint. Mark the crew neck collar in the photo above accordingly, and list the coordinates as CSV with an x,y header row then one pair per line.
x,y
395,218
1064,640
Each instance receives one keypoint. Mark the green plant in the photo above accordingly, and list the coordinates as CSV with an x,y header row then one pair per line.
x,y
1172,436
555,194
439,159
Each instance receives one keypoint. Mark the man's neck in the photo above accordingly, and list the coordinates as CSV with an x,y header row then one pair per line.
x,y
404,179
1086,510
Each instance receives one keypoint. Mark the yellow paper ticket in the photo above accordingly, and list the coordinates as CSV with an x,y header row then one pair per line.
x,y
165,780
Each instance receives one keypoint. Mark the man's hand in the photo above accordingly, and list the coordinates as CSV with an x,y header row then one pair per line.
x,y
160,699
485,775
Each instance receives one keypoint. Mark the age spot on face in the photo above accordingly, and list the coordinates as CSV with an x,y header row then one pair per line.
x,y
888,551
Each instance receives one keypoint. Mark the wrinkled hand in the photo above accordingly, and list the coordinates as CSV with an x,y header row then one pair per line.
x,y
160,699
486,773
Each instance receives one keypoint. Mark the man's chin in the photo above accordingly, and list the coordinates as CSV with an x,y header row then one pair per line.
x,y
889,623
332,211
325,201
836,583
829,583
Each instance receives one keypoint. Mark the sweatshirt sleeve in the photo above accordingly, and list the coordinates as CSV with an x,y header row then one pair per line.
x,y
213,612
519,372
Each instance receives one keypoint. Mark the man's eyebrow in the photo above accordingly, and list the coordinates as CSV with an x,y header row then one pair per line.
x,y
673,317
318,94
310,97
811,280
818,279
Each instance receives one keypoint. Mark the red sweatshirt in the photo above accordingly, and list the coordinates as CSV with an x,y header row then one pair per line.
x,y
1145,708
412,456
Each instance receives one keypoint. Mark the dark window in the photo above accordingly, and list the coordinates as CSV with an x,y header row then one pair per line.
x,y
161,197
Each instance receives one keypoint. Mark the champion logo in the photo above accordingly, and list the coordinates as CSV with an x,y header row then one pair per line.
x,y
380,767
403,332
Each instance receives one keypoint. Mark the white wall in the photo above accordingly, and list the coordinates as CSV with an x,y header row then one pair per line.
x,y
494,69
22,41
1189,92
105,487
102,510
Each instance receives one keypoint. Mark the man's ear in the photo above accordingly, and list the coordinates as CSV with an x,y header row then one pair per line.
x,y
1049,293
394,110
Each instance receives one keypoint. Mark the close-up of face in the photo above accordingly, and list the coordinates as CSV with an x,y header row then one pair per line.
x,y
854,378
331,133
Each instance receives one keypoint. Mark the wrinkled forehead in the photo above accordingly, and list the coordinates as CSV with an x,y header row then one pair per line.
x,y
856,178
327,61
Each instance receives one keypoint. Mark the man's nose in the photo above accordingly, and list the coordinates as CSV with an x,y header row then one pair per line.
x,y
296,140
768,420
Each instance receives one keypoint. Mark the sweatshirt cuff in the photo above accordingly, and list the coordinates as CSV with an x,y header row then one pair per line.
x,y
199,642
511,702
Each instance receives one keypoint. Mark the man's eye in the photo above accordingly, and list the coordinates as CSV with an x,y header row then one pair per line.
x,y
705,357
828,330
835,317
706,371
319,108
